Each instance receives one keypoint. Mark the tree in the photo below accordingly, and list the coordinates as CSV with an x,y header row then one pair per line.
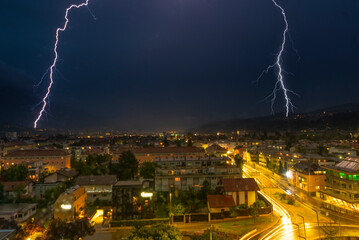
x,y
16,172
1,192
127,166
29,228
239,163
254,213
189,142
259,204
19,191
59,229
156,232
147,170
280,168
179,209
8,224
165,142
93,165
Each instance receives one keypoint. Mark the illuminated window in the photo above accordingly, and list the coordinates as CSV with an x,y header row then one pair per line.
x,y
177,179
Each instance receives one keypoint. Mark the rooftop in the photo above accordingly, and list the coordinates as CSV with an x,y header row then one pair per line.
x,y
220,201
38,152
160,150
8,208
96,180
239,184
350,164
130,183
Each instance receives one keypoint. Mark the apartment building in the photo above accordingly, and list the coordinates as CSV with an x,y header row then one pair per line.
x,y
185,172
341,192
70,204
151,153
307,176
52,159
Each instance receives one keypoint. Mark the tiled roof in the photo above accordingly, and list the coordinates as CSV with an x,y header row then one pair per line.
x,y
129,183
216,148
96,180
15,143
68,172
93,151
9,186
239,184
160,150
220,201
38,152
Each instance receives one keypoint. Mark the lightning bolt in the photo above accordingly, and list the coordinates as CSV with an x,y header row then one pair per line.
x,y
53,66
277,65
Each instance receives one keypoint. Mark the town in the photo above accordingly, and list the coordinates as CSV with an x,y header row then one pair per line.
x,y
239,185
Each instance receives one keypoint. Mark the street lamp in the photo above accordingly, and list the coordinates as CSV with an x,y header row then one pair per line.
x,y
170,206
305,232
317,222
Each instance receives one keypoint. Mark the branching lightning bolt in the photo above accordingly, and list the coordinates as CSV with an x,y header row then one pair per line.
x,y
53,66
280,85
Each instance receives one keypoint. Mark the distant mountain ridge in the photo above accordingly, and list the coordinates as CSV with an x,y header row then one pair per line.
x,y
344,116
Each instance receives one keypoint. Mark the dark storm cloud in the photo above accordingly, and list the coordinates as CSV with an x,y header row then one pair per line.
x,y
178,63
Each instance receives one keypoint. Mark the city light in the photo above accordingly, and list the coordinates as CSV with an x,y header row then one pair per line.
x,y
66,206
146,194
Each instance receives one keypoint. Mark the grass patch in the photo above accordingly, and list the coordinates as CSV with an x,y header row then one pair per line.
x,y
243,226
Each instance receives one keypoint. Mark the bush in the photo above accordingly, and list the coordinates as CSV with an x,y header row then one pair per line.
x,y
158,232
259,204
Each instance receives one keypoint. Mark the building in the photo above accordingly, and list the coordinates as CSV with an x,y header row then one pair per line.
x,y
18,212
40,188
132,200
52,160
341,192
151,153
11,188
70,204
220,203
216,150
185,172
15,145
242,190
97,187
307,176
62,175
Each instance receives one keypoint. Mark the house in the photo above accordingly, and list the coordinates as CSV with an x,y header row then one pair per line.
x,y
61,175
220,203
10,189
97,187
18,212
70,204
216,150
53,159
40,188
242,190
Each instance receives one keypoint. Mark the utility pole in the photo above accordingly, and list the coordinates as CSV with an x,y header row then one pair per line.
x,y
317,222
305,232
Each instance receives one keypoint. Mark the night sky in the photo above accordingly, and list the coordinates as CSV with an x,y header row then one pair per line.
x,y
173,64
